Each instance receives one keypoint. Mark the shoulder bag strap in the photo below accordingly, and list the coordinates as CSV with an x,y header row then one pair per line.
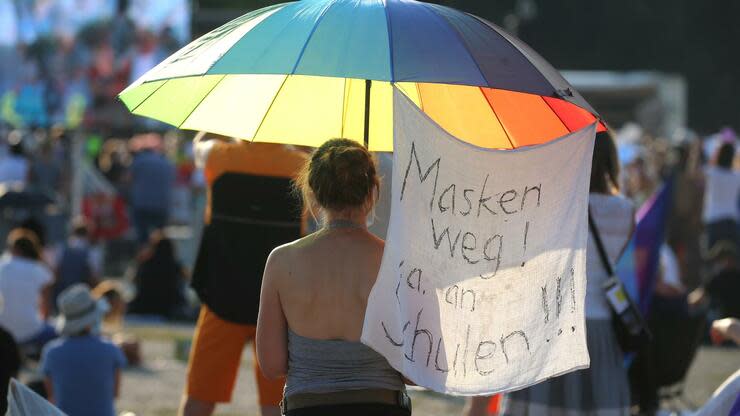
x,y
600,245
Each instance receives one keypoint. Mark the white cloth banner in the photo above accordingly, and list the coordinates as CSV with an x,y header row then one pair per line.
x,y
23,401
483,279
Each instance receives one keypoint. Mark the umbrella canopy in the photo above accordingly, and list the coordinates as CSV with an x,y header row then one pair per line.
x,y
311,70
19,196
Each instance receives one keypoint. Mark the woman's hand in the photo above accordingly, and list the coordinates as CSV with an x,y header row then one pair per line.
x,y
724,329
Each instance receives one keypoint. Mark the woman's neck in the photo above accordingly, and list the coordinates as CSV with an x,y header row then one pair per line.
x,y
346,219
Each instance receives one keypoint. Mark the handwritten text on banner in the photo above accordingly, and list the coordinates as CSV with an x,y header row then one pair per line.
x,y
482,283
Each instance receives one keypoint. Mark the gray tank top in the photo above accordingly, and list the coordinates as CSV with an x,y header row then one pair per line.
x,y
323,366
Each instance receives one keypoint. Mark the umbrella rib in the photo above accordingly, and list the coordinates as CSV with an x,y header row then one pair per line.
x,y
390,40
459,37
418,92
149,96
344,108
310,35
493,111
201,100
556,114
256,132
255,14
530,55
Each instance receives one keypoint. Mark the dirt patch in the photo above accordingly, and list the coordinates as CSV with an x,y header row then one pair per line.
x,y
155,389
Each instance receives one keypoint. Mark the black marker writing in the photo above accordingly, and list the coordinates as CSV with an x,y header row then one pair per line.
x,y
526,232
491,346
482,201
505,339
470,203
527,190
451,206
438,241
422,177
418,332
388,336
505,200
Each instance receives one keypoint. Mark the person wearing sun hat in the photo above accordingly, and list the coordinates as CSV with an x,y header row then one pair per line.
x,y
81,369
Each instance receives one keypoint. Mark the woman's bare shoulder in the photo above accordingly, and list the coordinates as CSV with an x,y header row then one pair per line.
x,y
287,253
376,243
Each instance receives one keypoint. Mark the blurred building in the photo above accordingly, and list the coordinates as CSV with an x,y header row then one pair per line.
x,y
657,101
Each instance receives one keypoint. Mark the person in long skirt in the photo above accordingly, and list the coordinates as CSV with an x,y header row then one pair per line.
x,y
602,389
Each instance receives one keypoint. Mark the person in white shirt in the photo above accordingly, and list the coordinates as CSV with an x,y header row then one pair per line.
x,y
721,197
24,281
602,389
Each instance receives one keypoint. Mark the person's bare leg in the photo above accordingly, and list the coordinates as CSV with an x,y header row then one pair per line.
x,y
270,410
476,406
195,407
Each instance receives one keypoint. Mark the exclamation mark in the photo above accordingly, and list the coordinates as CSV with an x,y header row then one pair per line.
x,y
526,231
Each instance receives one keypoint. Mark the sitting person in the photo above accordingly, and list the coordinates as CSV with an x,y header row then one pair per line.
x,y
723,285
75,263
81,369
25,287
9,365
159,280
112,326
314,294
725,401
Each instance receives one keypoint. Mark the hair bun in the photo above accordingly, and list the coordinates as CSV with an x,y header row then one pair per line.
x,y
341,174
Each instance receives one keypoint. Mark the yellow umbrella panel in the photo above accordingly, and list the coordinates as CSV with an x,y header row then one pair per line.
x,y
309,110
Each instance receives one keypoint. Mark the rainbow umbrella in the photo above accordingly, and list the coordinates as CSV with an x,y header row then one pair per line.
x,y
308,71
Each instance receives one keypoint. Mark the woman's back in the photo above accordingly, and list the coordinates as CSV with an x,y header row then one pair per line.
x,y
323,284
314,294
330,274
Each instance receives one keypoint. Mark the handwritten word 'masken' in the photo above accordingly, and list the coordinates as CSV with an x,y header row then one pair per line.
x,y
457,199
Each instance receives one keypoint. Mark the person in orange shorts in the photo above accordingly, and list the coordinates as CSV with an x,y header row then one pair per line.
x,y
250,210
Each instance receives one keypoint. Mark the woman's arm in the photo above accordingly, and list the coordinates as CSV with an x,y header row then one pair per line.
x,y
117,383
49,389
45,302
272,328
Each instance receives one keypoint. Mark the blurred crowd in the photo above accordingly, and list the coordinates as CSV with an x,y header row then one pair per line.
x,y
703,172
698,274
131,188
61,58
113,182
91,198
